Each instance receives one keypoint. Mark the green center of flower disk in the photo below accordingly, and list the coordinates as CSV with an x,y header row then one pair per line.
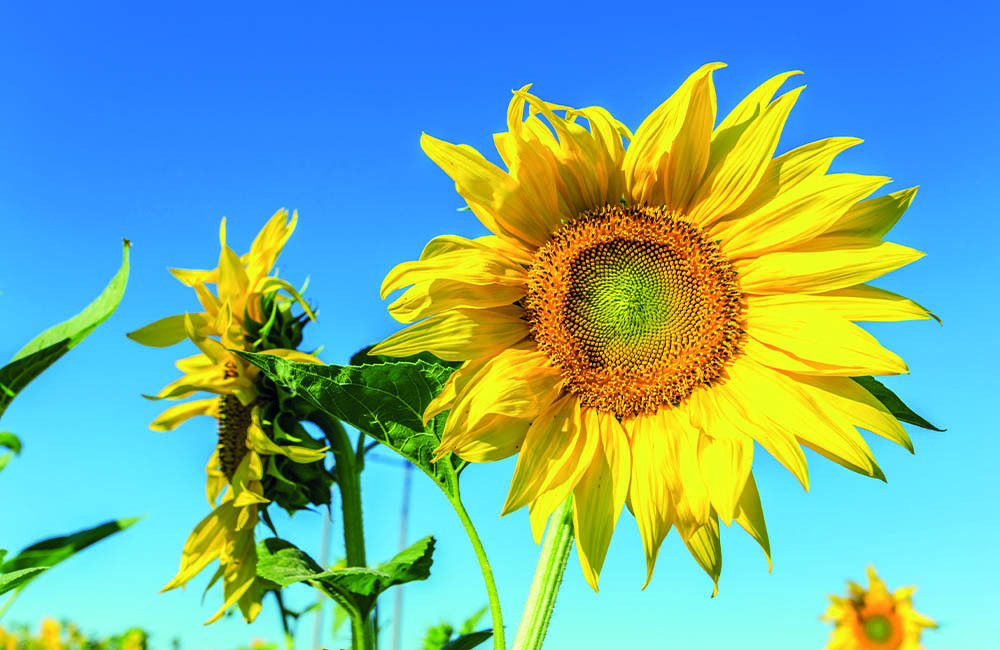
x,y
635,306
877,628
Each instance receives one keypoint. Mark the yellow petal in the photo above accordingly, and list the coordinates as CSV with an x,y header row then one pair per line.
x,y
457,259
541,509
458,335
750,516
174,416
705,546
816,271
585,167
857,405
789,171
496,437
493,195
166,331
688,489
239,572
666,160
518,383
233,281
648,493
557,450
825,432
740,156
874,218
194,277
814,335
749,109
258,441
725,465
267,245
454,385
600,494
736,408
204,544
794,217
861,302
433,297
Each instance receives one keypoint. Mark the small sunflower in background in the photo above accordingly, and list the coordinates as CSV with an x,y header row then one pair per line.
x,y
874,619
650,305
263,453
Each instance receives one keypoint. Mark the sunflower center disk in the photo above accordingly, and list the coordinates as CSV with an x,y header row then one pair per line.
x,y
635,306
234,422
878,628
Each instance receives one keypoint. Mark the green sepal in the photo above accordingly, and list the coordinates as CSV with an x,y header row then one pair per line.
x,y
891,401
281,562
43,350
386,401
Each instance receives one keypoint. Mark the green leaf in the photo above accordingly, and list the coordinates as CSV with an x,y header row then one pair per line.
x,y
281,562
468,641
892,402
470,623
437,637
48,553
385,401
42,351
17,579
10,441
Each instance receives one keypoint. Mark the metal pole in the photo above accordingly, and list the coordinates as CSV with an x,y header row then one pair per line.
x,y
397,610
324,551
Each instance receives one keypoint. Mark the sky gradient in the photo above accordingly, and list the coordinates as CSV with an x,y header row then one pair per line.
x,y
153,124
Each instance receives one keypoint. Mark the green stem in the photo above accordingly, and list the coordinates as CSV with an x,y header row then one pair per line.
x,y
548,576
499,642
349,482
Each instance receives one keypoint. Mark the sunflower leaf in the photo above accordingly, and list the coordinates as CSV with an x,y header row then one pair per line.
x,y
42,351
386,401
281,562
30,562
891,401
469,641
19,578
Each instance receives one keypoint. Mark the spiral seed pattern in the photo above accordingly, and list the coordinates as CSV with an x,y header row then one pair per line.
x,y
635,306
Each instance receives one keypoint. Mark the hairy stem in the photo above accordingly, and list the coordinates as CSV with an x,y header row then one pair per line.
x,y
548,577
499,642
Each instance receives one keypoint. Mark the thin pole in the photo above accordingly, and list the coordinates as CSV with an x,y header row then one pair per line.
x,y
397,609
324,551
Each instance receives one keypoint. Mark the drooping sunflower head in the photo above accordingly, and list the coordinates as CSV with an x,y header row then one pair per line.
x,y
874,619
262,454
649,306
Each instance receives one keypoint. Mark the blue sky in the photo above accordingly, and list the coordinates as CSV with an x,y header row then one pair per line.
x,y
154,123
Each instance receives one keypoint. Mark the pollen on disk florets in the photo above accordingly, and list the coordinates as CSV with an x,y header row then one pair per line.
x,y
635,306
234,422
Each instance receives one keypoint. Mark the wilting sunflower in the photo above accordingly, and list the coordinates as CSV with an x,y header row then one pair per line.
x,y
874,619
248,313
642,314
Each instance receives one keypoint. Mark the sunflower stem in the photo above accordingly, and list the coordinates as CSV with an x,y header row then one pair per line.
x,y
499,643
548,577
349,483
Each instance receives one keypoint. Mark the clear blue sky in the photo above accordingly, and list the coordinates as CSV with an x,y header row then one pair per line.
x,y
153,123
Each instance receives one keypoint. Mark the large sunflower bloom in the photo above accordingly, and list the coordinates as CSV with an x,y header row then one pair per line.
x,y
227,533
640,316
874,619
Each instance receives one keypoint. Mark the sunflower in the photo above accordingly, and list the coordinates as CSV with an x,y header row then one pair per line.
x,y
247,312
874,619
641,315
